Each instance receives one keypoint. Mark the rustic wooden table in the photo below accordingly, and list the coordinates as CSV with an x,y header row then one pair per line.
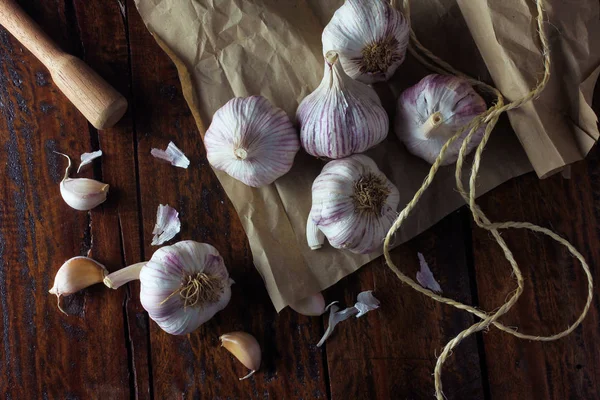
x,y
108,348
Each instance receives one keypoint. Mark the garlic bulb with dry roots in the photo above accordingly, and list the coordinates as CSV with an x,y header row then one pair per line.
x,y
353,205
82,194
432,111
252,140
342,116
182,286
371,37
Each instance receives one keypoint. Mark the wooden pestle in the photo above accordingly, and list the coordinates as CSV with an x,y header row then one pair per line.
x,y
99,102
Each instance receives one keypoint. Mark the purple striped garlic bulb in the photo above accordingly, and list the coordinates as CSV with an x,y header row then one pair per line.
x,y
353,205
371,37
432,111
182,286
251,140
342,116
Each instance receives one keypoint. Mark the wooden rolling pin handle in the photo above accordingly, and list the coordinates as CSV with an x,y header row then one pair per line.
x,y
99,102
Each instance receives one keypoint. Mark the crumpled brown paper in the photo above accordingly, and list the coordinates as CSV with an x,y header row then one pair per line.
x,y
228,48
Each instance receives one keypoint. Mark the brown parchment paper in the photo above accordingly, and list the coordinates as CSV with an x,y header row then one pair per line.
x,y
228,48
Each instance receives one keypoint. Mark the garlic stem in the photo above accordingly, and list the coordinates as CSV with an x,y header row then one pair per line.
x,y
331,56
432,123
118,278
240,153
314,236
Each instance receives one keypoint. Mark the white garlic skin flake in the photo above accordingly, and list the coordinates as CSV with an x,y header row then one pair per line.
x,y
251,140
354,204
432,111
342,116
371,37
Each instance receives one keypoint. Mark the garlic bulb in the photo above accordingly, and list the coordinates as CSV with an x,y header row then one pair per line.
x,y
182,286
371,37
245,348
353,204
432,111
342,116
76,274
82,194
252,140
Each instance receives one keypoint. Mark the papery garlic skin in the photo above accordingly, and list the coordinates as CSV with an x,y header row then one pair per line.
x,y
342,116
432,111
371,37
251,140
245,348
76,274
354,204
169,282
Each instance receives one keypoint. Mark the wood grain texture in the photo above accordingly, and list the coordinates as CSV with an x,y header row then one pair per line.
x,y
391,352
555,286
45,353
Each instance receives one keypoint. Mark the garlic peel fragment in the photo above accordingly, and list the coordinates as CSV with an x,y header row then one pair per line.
x,y
173,155
365,302
251,140
245,348
430,112
312,306
82,194
371,37
425,276
76,274
354,204
167,225
342,116
87,158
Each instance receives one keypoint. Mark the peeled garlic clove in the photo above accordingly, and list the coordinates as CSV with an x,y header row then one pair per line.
x,y
252,141
311,306
245,348
82,194
371,38
342,116
76,274
354,204
432,111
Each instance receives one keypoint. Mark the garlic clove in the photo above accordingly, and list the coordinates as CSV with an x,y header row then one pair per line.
x,y
342,116
314,236
82,194
371,37
76,274
245,348
431,112
354,204
311,306
251,140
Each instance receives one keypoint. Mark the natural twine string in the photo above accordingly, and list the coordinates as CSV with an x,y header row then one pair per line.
x,y
488,118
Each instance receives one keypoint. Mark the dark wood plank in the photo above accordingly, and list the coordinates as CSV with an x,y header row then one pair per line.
x,y
45,353
391,352
555,286
104,36
194,366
